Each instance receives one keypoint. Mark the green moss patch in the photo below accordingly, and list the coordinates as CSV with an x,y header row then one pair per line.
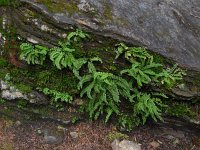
x,y
60,6
3,62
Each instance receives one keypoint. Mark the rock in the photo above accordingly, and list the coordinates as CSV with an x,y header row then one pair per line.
x,y
78,102
18,123
36,97
62,128
51,138
164,27
154,144
39,131
169,137
11,93
174,133
74,135
169,28
176,141
125,145
6,94
3,85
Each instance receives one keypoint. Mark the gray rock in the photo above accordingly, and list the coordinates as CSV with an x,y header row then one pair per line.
x,y
18,123
36,97
3,85
125,145
50,138
74,135
170,28
11,93
78,102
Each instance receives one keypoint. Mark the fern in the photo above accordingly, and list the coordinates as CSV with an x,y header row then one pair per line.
x,y
77,36
132,54
147,106
171,76
142,74
63,57
57,98
103,91
33,54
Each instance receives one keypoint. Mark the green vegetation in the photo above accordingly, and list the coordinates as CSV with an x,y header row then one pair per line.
x,y
60,6
33,54
5,2
23,87
124,93
116,135
103,91
170,76
2,101
180,110
8,3
57,98
22,103
3,63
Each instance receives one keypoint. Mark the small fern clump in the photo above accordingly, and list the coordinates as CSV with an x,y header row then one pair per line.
x,y
63,57
145,72
132,54
33,54
103,91
171,76
57,98
77,36
142,74
148,106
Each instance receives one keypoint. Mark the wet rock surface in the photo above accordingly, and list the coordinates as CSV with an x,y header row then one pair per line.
x,y
166,27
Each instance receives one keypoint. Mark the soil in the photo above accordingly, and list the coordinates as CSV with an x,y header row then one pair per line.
x,y
18,131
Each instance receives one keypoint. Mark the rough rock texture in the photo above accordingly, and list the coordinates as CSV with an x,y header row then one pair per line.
x,y
170,28
167,27
125,145
11,93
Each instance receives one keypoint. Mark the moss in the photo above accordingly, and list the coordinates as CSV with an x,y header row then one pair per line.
x,y
22,103
71,8
196,80
180,110
107,12
60,6
5,2
3,73
44,111
3,62
116,135
7,117
23,88
30,13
